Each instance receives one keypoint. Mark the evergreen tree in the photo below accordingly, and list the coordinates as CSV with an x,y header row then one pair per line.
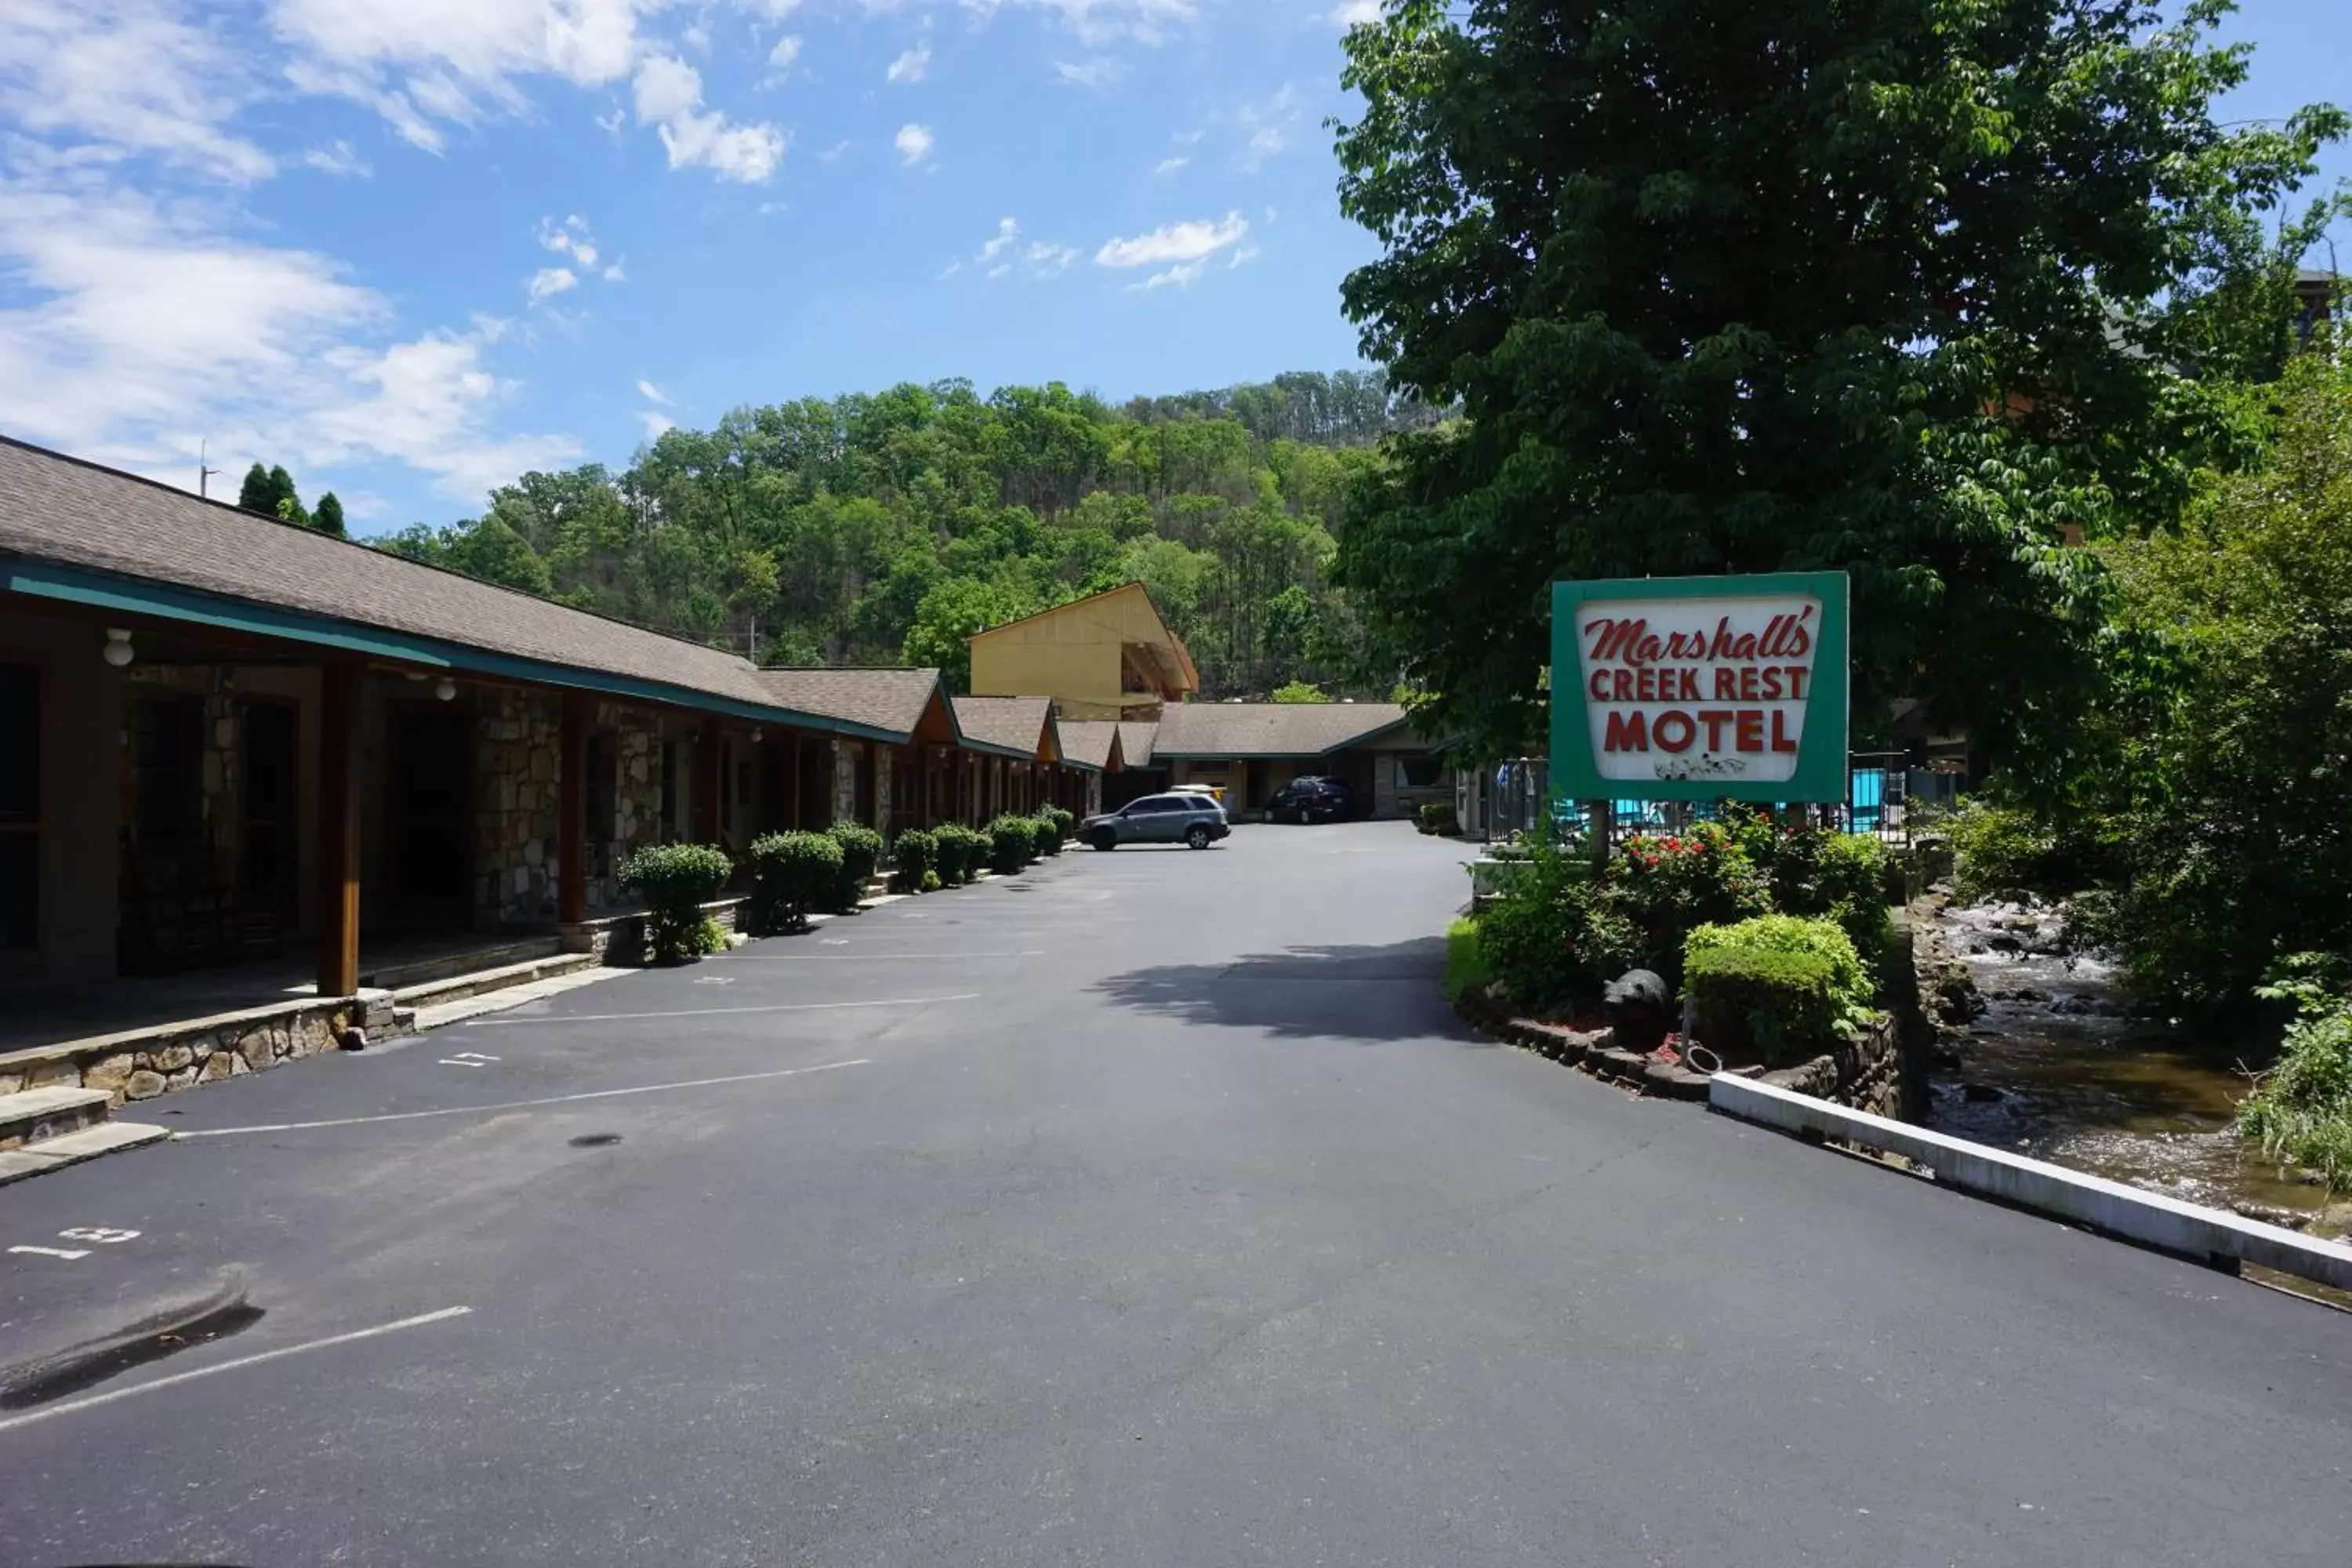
x,y
329,518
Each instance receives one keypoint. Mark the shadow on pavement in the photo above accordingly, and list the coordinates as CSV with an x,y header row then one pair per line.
x,y
1330,993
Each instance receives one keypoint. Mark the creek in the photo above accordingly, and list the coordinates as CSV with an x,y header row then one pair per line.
x,y
2053,1066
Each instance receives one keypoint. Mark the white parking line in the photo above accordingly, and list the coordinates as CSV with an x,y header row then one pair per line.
x,y
716,1012
519,1104
901,957
70,1406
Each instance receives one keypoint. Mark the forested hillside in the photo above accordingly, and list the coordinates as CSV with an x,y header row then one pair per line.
x,y
868,530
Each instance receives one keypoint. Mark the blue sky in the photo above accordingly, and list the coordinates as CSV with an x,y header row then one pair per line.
x,y
412,247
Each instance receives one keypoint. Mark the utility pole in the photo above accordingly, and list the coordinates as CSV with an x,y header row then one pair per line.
x,y
204,472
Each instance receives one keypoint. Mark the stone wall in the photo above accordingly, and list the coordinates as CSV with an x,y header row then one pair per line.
x,y
142,1064
847,755
883,763
1882,1069
636,795
517,752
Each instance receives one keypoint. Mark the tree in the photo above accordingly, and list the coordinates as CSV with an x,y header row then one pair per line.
x,y
1901,287
1298,691
949,616
256,493
329,518
285,501
2224,810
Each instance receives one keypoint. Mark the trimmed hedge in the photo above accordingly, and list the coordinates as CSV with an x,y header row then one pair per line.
x,y
793,875
1436,816
1753,1002
676,881
961,850
1012,844
914,857
861,851
1778,985
1053,826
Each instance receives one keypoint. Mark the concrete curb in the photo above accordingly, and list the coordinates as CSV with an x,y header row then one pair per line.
x,y
2205,1235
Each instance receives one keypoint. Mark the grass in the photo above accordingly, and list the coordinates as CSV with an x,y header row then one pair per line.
x,y
1464,965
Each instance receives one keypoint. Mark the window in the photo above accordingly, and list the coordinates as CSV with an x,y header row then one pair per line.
x,y
20,807
1152,803
1424,771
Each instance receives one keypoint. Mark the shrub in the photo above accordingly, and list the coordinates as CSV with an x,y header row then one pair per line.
x,y
1437,816
1064,818
962,851
2301,1109
1466,963
861,851
676,881
1049,831
1668,884
1011,843
794,875
1757,1001
930,883
1843,877
2008,852
913,858
1553,937
1850,992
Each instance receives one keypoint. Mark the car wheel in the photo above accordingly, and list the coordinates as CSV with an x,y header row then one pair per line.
x,y
1196,838
1104,840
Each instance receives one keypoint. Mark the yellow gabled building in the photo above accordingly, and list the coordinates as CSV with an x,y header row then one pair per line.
x,y
1107,656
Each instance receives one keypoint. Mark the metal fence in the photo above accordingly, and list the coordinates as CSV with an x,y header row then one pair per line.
x,y
1883,793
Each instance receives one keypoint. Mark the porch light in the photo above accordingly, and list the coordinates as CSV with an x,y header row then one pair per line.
x,y
755,734
118,650
444,689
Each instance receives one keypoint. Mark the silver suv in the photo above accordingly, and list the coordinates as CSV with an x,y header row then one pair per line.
x,y
1194,820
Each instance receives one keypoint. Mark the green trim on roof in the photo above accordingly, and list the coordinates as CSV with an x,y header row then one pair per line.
x,y
106,591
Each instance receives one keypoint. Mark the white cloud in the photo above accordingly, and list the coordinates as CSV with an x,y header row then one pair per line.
x,y
1177,242
833,155
613,274
129,77
669,95
911,67
1353,12
652,394
571,238
1181,276
781,58
1095,74
1167,166
337,158
914,143
1003,253
548,281
1270,128
656,423
140,327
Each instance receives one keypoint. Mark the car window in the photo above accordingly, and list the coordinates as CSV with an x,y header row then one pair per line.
x,y
1153,803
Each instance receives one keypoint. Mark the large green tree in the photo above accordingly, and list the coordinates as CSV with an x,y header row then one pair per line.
x,y
1902,288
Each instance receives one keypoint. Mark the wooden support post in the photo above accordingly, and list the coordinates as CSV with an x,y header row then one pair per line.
x,y
571,811
710,787
338,913
1604,820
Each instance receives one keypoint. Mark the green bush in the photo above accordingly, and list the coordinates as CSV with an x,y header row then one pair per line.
x,y
1437,816
1843,877
1760,1002
861,851
1668,884
1465,961
794,875
1851,993
1049,832
2008,852
1553,937
962,851
1011,843
676,881
913,857
2301,1109
1064,818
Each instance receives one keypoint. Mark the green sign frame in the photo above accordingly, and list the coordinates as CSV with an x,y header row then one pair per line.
x,y
1704,682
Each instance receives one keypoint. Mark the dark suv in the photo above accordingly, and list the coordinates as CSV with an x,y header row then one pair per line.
x,y
1311,799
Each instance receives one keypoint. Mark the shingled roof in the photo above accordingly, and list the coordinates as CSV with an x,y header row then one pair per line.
x,y
1270,729
1019,726
891,700
75,531
1091,743
1137,739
